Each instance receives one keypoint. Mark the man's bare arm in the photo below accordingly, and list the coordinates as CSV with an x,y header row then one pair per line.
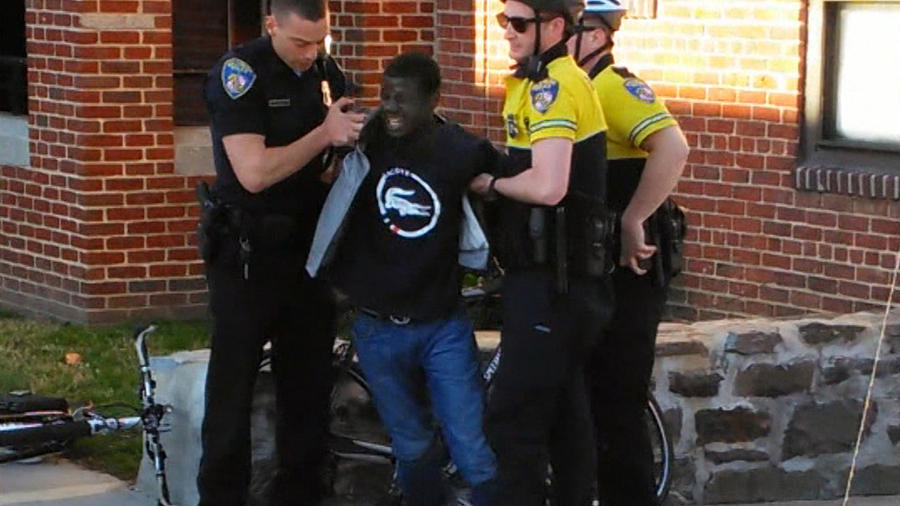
x,y
258,167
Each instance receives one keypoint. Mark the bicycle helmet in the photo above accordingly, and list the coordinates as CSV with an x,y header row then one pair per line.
x,y
608,12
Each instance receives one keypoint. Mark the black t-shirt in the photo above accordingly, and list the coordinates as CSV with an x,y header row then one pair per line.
x,y
251,90
399,253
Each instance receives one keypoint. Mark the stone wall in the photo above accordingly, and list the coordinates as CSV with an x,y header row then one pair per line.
x,y
764,410
758,410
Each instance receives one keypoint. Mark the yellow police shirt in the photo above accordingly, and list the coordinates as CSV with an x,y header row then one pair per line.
x,y
632,112
561,106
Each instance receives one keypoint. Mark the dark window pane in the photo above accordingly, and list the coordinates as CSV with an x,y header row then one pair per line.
x,y
13,81
201,36
190,108
246,21
200,33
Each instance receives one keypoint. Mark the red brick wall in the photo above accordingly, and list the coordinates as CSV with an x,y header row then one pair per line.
x,y
99,227
732,74
367,34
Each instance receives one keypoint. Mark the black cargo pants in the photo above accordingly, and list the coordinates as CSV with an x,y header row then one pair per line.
x,y
538,409
619,376
278,302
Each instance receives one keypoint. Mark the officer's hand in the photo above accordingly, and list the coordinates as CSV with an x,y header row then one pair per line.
x,y
481,185
634,249
342,128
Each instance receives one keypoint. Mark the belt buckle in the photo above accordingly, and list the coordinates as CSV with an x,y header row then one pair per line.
x,y
399,320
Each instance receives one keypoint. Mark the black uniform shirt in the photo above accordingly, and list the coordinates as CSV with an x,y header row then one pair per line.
x,y
399,254
251,90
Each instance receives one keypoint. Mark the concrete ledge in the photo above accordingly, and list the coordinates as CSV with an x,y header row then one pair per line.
x,y
180,381
14,140
193,152
117,21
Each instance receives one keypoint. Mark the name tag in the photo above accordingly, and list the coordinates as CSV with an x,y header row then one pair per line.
x,y
279,102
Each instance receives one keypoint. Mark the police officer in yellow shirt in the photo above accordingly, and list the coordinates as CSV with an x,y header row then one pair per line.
x,y
647,152
550,239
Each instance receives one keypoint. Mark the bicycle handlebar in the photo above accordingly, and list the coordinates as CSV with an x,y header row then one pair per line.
x,y
153,413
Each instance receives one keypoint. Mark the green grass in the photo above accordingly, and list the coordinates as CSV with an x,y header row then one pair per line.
x,y
32,357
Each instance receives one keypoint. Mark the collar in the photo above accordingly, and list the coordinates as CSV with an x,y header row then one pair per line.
x,y
604,61
535,67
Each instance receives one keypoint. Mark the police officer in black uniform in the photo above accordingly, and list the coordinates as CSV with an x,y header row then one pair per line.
x,y
271,126
551,240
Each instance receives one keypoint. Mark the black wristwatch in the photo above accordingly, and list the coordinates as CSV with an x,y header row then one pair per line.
x,y
492,192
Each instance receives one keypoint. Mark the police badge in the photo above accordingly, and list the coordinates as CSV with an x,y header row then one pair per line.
x,y
543,94
640,90
237,77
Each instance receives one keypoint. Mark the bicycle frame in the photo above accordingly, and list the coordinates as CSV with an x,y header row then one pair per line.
x,y
152,415
36,432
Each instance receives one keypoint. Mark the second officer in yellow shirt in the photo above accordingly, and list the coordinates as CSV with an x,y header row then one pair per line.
x,y
647,152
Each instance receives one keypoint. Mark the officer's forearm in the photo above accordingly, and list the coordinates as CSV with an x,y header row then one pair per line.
x,y
668,153
547,181
258,167
529,187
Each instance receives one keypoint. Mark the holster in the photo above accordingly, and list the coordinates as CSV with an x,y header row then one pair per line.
x,y
584,251
665,229
213,224
672,229
599,235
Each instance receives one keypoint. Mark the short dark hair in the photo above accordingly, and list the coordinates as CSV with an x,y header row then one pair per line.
x,y
312,10
418,66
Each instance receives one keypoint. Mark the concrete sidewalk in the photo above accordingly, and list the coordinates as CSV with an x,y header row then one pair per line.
x,y
61,483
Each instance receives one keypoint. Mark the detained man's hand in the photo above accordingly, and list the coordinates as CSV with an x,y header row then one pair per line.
x,y
634,249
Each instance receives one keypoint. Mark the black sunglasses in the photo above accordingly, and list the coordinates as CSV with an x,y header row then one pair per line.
x,y
518,24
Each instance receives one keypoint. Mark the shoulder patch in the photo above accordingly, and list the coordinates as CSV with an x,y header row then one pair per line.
x,y
237,77
543,94
640,90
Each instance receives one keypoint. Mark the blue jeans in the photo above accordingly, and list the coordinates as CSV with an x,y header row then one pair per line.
x,y
395,360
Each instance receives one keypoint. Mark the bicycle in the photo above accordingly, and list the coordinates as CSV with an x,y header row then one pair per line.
x,y
356,432
33,426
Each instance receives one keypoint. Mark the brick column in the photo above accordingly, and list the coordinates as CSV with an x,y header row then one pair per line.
x,y
99,228
474,61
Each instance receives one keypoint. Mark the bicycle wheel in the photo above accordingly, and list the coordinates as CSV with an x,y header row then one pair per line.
x,y
19,404
23,439
24,410
662,449
354,419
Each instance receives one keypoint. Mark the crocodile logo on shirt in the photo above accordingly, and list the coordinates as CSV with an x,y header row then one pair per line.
x,y
408,205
